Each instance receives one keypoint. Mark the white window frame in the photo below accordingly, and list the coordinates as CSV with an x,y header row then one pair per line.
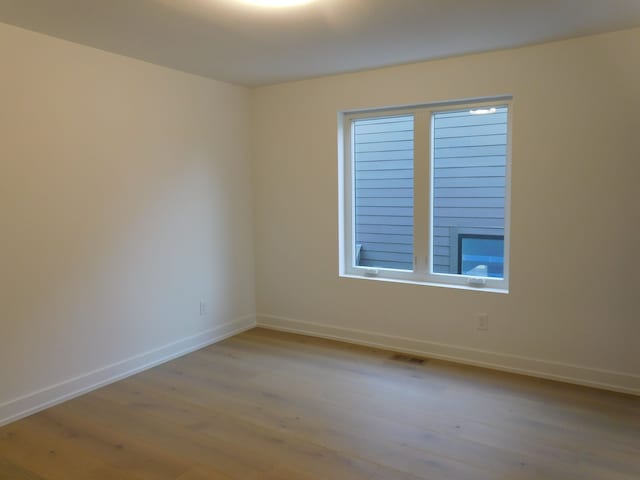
x,y
422,194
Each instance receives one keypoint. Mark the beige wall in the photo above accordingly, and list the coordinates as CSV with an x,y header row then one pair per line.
x,y
124,200
573,307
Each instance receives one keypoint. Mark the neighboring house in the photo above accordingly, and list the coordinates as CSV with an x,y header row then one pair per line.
x,y
469,153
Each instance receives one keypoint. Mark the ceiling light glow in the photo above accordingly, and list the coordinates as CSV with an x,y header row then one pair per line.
x,y
276,3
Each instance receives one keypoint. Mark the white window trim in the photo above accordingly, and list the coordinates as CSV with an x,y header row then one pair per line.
x,y
423,186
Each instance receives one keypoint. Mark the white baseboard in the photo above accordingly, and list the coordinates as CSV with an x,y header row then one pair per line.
x,y
47,397
579,375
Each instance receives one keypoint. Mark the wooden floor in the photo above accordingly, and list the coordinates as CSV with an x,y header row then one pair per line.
x,y
267,405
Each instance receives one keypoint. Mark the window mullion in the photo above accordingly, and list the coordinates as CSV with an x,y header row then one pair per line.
x,y
347,200
421,176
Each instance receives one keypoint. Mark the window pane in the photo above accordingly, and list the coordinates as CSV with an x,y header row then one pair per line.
x,y
481,255
383,185
469,167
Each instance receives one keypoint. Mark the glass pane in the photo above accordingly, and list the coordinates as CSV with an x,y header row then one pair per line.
x,y
481,255
469,157
383,185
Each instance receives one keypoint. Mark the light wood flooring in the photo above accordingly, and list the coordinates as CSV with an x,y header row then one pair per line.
x,y
276,406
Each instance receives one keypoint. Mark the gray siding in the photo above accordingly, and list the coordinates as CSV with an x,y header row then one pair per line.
x,y
384,191
469,163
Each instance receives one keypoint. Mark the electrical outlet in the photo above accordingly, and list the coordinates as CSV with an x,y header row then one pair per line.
x,y
483,321
203,308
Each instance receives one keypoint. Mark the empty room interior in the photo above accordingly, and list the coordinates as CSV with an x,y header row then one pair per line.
x,y
320,239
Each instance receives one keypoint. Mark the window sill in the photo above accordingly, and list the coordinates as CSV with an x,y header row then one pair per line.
x,y
427,284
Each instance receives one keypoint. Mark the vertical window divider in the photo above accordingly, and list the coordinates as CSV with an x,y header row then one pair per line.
x,y
507,203
421,188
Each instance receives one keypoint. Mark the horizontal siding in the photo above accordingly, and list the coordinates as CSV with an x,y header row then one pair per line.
x,y
391,146
382,183
466,172
441,240
467,141
386,229
389,247
384,165
391,239
386,174
468,182
469,222
385,202
475,151
385,220
470,130
387,155
472,211
478,202
383,178
466,192
392,125
462,119
389,136
469,168
486,161
406,192
440,250
441,263
395,212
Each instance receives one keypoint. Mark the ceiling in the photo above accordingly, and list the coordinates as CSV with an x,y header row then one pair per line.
x,y
232,41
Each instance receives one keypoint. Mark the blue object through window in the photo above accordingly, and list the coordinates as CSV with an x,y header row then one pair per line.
x,y
481,255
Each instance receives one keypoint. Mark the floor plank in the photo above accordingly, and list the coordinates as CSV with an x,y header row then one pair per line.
x,y
275,406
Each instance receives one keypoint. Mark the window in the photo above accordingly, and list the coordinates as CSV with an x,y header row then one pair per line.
x,y
425,194
481,255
